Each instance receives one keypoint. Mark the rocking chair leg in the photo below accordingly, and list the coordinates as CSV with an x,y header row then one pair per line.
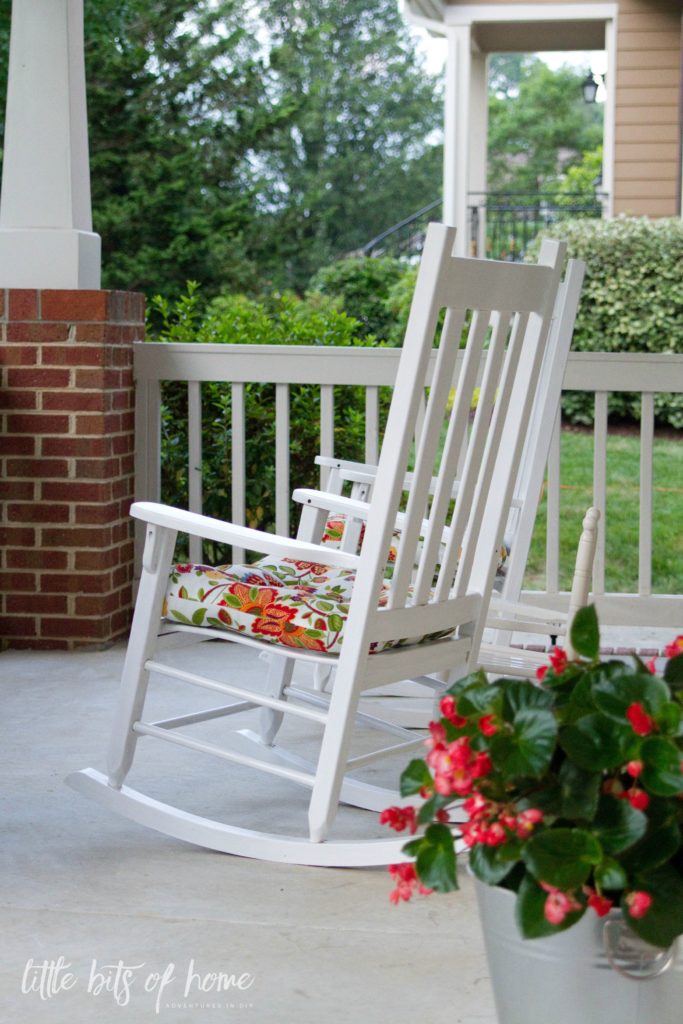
x,y
279,676
157,557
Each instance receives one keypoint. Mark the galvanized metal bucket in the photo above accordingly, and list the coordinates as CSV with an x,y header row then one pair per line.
x,y
597,972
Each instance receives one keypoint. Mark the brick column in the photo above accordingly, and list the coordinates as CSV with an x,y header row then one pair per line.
x,y
66,465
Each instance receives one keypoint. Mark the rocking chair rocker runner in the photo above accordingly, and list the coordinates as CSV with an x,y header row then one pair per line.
x,y
425,621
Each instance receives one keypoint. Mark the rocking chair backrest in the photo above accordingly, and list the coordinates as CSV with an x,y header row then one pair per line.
x,y
509,309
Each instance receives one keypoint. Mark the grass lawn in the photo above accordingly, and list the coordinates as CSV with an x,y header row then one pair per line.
x,y
623,476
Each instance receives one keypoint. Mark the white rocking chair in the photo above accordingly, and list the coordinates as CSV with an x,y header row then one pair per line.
x,y
309,604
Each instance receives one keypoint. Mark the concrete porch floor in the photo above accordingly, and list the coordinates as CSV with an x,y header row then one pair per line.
x,y
314,945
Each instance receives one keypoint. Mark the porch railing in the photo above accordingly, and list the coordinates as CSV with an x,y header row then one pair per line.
x,y
332,370
502,224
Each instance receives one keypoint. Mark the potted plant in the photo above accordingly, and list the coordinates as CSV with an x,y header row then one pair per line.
x,y
567,795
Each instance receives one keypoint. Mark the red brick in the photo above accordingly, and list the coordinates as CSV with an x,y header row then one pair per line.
x,y
18,399
14,626
23,304
72,628
2,303
123,488
17,445
91,514
40,558
38,332
97,561
71,447
122,400
121,532
72,355
18,356
38,424
17,490
74,305
120,621
99,378
122,444
36,644
75,490
101,604
77,401
17,536
122,576
50,604
34,468
35,513
98,423
128,464
38,377
103,333
120,357
76,583
77,537
15,581
97,469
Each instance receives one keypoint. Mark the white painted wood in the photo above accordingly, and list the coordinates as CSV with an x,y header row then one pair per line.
x,y
46,236
238,465
583,570
600,486
194,475
282,486
552,543
326,428
371,424
647,428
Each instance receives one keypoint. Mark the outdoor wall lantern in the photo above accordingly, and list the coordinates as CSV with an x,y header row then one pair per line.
x,y
590,86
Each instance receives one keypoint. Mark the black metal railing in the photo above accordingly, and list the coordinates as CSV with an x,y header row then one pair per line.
x,y
501,225
405,238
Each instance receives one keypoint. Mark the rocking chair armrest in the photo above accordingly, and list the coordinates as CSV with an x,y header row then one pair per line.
x,y
353,472
332,502
242,536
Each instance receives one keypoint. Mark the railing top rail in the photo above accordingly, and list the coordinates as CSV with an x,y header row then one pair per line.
x,y
311,364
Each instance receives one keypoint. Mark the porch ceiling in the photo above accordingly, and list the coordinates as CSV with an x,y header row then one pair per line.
x,y
532,36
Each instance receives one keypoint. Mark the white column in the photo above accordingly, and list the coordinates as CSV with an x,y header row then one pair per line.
x,y
457,133
609,117
478,146
46,237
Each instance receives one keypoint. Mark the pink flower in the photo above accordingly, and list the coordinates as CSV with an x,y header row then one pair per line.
x,y
641,723
651,665
487,725
541,671
437,733
495,835
600,904
482,765
449,710
558,904
558,659
399,818
406,882
638,903
637,798
675,647
476,806
634,768
526,821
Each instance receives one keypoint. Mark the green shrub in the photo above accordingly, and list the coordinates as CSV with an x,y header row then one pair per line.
x,y
362,285
632,300
236,319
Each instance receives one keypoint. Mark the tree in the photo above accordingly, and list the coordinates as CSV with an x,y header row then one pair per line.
x,y
538,126
352,154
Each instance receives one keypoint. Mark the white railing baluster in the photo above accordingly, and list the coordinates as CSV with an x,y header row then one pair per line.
x,y
647,430
147,451
600,486
194,470
326,427
552,536
282,487
238,464
371,425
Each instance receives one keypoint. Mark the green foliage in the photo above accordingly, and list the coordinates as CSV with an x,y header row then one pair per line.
x,y
580,179
240,320
538,124
363,286
632,300
573,791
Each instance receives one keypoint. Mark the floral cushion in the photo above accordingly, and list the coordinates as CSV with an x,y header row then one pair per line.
x,y
298,604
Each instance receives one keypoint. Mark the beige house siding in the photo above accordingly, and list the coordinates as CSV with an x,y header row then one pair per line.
x,y
648,100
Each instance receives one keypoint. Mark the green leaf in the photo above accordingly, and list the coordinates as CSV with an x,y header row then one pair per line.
x,y
335,623
662,766
661,841
609,874
585,633
673,671
528,747
617,686
415,777
663,922
579,791
563,857
491,864
198,616
529,912
519,694
595,743
617,825
435,861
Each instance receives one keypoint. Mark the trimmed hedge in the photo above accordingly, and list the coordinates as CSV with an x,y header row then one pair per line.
x,y
632,300
362,286
236,319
